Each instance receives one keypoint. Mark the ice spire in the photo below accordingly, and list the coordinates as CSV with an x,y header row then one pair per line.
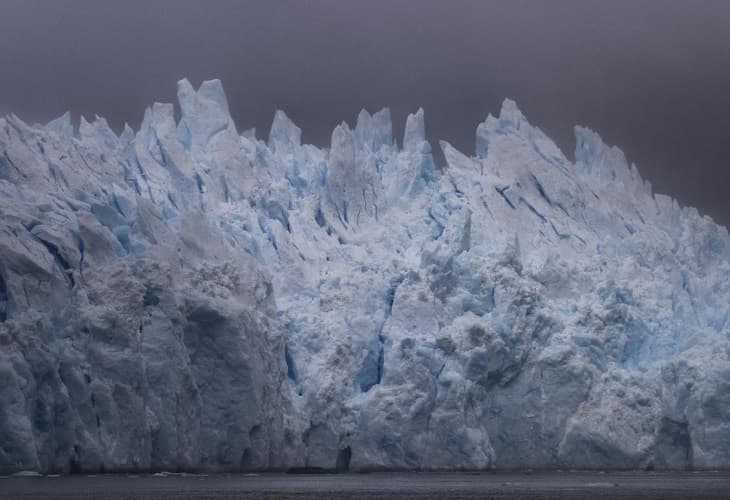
x,y
285,136
415,132
204,113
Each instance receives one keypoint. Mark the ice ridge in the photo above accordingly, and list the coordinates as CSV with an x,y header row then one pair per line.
x,y
188,297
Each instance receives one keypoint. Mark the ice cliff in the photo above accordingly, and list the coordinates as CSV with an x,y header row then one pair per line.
x,y
188,297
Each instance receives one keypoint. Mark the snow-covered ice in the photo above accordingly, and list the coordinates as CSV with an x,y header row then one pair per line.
x,y
185,297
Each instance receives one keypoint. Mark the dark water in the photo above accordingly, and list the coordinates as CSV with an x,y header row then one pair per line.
x,y
539,485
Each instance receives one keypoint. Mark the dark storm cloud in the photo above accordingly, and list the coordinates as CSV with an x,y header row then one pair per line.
x,y
650,76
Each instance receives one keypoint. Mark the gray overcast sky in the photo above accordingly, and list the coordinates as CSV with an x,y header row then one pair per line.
x,y
652,77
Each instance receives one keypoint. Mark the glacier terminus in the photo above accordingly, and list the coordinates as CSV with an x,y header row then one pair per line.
x,y
187,297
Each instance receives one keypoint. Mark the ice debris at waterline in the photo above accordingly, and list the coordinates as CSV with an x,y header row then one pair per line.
x,y
186,297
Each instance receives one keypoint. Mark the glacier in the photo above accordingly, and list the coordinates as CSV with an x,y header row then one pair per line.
x,y
187,297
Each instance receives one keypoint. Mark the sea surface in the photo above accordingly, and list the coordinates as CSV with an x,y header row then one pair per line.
x,y
401,485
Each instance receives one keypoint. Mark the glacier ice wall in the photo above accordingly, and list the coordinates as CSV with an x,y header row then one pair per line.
x,y
185,297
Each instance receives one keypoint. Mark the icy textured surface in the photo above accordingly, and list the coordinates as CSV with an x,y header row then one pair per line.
x,y
188,297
